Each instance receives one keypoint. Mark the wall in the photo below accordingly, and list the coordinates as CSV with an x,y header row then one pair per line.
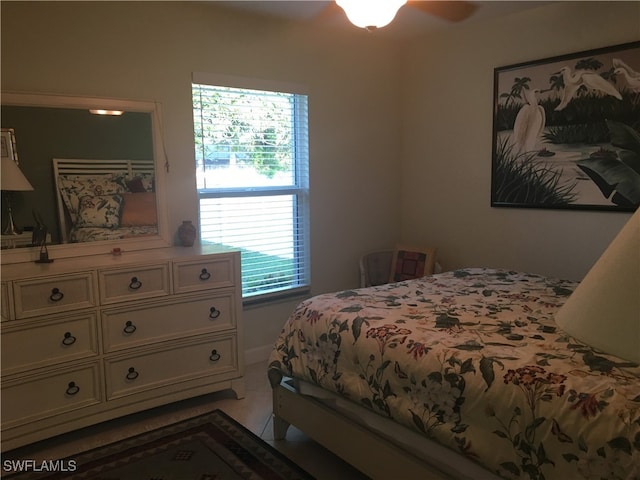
x,y
148,50
448,130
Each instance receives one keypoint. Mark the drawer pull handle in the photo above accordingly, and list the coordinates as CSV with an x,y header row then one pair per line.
x,y
56,295
204,275
129,327
72,388
135,283
132,374
68,339
215,356
214,313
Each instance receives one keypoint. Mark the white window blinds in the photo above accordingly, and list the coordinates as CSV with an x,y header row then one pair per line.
x,y
251,153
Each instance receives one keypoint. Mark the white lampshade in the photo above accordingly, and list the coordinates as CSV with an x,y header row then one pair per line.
x,y
12,177
371,13
604,310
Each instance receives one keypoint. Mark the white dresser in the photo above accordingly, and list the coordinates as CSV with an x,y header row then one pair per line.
x,y
92,338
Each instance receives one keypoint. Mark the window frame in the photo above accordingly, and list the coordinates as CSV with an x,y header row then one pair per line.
x,y
298,189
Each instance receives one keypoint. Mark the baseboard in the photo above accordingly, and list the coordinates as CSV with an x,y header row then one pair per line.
x,y
258,354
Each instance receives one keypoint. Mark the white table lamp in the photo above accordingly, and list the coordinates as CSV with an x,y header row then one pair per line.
x,y
604,310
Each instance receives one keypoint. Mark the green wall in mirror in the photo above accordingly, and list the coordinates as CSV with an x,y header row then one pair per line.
x,y
45,133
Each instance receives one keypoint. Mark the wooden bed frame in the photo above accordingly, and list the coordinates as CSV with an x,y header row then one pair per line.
x,y
353,440
77,167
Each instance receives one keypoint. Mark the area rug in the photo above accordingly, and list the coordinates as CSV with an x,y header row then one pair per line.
x,y
209,447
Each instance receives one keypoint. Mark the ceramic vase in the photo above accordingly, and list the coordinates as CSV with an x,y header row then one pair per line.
x,y
187,233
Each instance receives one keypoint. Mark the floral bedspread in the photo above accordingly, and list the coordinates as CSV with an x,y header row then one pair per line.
x,y
474,360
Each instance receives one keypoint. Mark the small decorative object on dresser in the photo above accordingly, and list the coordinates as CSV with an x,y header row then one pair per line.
x,y
93,338
187,233
39,238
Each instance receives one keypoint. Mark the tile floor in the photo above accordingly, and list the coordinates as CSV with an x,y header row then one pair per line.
x,y
253,411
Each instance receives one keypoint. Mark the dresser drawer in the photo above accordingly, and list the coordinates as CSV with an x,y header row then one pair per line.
x,y
29,398
204,274
36,343
165,320
179,362
47,295
134,283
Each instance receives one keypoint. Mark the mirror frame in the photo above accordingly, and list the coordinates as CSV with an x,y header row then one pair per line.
x,y
161,163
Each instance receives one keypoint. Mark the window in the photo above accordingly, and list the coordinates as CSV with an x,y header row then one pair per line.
x,y
253,180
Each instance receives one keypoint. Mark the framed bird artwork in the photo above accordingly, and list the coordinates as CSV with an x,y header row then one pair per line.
x,y
566,131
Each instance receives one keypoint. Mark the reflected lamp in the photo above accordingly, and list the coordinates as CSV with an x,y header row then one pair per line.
x,y
12,180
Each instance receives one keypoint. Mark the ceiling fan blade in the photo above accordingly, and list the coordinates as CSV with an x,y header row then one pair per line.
x,y
454,11
329,12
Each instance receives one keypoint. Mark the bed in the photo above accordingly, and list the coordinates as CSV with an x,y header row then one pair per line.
x,y
105,199
461,374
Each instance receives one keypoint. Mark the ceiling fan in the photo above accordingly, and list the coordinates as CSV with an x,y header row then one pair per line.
x,y
372,14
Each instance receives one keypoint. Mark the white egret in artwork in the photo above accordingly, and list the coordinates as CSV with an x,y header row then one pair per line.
x,y
633,83
529,123
591,80
617,63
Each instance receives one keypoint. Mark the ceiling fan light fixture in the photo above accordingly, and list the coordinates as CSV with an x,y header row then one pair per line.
x,y
371,14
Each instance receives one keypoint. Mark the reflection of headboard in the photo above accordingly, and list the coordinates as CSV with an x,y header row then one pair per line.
x,y
93,167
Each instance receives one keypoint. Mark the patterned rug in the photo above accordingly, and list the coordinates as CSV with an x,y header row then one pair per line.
x,y
209,447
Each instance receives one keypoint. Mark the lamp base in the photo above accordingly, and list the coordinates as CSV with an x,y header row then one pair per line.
x,y
11,228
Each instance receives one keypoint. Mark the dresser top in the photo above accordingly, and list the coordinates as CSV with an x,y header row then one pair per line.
x,y
109,260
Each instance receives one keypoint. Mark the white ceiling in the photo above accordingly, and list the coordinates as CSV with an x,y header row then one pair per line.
x,y
408,22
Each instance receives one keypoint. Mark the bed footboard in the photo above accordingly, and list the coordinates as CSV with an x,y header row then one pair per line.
x,y
280,425
352,442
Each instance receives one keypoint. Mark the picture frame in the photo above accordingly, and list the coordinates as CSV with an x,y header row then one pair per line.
x,y
8,144
566,131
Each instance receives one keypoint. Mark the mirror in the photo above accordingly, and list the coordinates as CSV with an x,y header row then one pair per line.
x,y
49,127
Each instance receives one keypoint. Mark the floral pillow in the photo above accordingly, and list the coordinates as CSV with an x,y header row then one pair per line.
x,y
74,188
101,211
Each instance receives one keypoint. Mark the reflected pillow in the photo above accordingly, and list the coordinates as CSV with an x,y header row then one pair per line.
x,y
141,183
73,188
100,211
138,209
